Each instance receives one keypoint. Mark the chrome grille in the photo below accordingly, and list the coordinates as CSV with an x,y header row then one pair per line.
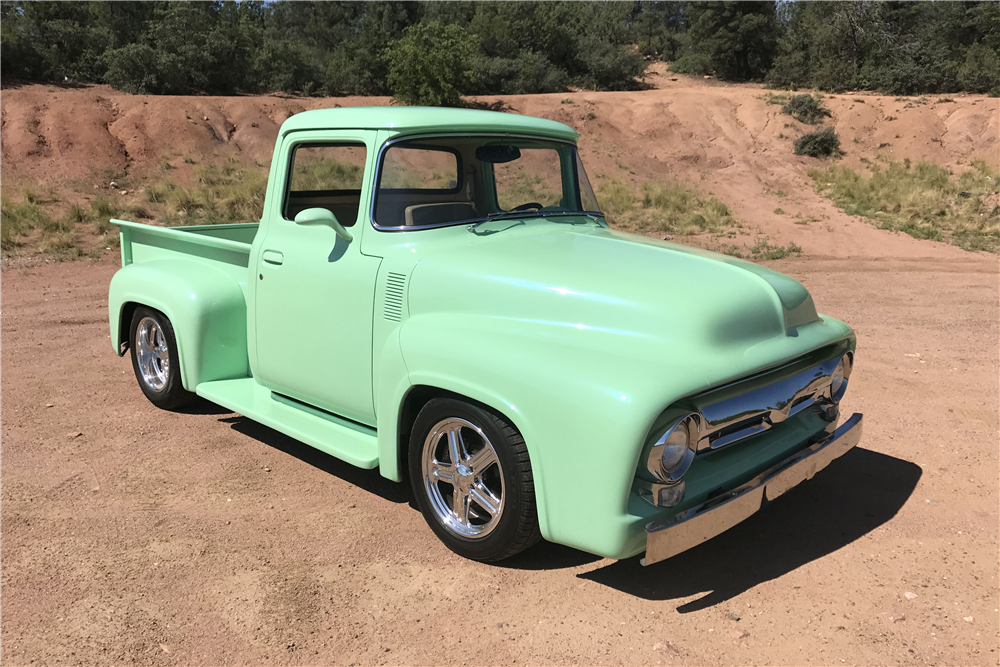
x,y
730,420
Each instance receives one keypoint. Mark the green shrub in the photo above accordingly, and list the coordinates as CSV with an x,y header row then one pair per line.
x,y
981,70
141,70
818,144
805,109
430,64
692,63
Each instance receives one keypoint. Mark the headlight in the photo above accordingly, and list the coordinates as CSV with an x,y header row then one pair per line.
x,y
838,380
673,453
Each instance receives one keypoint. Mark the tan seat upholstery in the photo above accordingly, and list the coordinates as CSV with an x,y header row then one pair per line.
x,y
431,214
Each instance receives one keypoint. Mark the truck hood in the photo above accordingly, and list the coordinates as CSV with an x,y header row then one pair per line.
x,y
608,291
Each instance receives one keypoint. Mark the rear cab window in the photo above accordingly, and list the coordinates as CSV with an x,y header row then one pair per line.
x,y
326,175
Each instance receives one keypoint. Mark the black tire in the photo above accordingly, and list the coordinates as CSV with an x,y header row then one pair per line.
x,y
163,387
514,528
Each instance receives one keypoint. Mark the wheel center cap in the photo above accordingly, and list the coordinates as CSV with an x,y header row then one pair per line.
x,y
463,470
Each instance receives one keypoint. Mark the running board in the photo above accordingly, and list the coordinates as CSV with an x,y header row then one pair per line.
x,y
346,440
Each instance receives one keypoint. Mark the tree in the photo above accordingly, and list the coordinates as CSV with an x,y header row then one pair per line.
x,y
431,64
738,40
980,73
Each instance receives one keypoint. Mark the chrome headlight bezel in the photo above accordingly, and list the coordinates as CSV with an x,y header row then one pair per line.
x,y
672,454
840,377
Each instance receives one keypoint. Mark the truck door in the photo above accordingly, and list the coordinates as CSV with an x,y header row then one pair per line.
x,y
314,291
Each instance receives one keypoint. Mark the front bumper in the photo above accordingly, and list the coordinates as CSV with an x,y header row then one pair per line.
x,y
669,537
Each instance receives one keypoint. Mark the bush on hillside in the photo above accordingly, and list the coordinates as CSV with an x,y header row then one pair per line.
x,y
805,109
818,144
692,63
141,70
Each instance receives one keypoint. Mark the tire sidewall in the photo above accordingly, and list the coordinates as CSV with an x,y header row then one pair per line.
x,y
173,392
496,541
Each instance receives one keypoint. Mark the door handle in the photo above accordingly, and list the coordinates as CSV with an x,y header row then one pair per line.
x,y
272,257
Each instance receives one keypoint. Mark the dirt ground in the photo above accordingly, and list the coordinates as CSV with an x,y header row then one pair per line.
x,y
129,534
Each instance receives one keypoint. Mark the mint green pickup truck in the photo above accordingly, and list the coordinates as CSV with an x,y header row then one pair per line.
x,y
435,293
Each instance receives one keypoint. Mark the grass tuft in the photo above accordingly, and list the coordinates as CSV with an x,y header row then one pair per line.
x,y
17,219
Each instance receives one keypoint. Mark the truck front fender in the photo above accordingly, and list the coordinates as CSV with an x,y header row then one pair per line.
x,y
584,418
205,305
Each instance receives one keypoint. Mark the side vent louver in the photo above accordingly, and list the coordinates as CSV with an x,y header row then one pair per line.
x,y
394,287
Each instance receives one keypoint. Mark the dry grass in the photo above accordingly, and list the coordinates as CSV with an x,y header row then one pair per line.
x,y
672,209
225,193
924,200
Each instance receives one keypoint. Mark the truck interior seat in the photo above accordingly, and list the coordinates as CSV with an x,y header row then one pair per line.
x,y
432,214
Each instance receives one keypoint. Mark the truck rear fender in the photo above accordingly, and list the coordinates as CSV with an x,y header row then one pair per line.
x,y
205,305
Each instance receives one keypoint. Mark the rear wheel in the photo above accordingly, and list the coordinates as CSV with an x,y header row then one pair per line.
x,y
155,361
471,476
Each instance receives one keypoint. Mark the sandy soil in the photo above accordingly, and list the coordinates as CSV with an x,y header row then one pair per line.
x,y
136,535
129,534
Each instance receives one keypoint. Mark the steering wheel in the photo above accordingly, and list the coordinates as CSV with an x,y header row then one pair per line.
x,y
525,207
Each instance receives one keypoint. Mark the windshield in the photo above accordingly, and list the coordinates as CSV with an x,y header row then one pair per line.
x,y
439,181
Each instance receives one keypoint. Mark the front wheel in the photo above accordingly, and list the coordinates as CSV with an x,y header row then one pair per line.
x,y
155,361
472,480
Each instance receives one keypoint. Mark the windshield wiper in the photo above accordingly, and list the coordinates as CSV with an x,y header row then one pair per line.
x,y
511,215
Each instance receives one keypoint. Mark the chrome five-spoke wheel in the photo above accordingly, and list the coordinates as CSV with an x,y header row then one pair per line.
x,y
472,479
463,478
152,353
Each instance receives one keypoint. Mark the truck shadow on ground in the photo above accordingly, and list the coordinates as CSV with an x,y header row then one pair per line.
x,y
852,497
367,480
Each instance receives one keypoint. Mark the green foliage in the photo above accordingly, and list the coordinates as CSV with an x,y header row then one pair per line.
x,y
805,109
430,64
736,40
693,63
924,200
823,143
310,47
673,209
981,70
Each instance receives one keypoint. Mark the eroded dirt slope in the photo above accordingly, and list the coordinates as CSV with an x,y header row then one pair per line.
x,y
722,139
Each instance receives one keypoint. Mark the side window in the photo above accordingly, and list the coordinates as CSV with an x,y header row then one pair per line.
x,y
326,176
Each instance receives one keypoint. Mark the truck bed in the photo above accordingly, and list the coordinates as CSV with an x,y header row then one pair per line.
x,y
228,245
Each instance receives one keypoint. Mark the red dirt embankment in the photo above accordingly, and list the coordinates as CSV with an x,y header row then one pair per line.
x,y
722,139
